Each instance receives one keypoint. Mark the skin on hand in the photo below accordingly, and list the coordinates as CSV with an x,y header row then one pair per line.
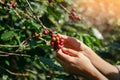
x,y
76,63
72,43
104,67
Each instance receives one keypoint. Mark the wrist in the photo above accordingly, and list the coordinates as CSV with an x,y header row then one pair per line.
x,y
111,72
96,75
90,54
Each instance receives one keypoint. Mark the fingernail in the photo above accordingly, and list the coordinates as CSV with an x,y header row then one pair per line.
x,y
63,48
59,51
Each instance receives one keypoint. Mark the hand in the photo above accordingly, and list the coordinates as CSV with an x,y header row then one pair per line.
x,y
72,43
111,72
77,45
78,64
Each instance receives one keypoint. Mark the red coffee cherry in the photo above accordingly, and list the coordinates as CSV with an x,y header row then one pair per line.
x,y
13,4
52,35
56,42
45,31
73,10
54,38
52,43
35,34
77,18
28,17
73,16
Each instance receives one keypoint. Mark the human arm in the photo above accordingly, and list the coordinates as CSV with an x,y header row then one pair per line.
x,y
104,67
78,64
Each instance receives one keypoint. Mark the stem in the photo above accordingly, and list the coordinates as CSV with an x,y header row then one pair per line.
x,y
34,72
12,54
11,46
65,9
36,16
41,23
29,6
17,13
13,73
42,39
17,74
23,43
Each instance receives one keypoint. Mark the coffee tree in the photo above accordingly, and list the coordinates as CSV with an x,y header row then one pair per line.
x,y
29,38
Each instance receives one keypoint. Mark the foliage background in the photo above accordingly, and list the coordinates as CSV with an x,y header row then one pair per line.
x,y
25,57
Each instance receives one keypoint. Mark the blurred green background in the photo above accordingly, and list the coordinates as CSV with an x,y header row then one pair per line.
x,y
25,57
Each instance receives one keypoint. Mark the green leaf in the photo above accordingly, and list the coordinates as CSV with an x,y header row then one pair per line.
x,y
1,28
8,35
87,41
7,63
5,77
69,29
32,25
51,64
53,13
115,46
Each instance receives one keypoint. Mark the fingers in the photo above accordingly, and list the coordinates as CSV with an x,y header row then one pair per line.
x,y
63,56
70,52
70,42
63,36
69,39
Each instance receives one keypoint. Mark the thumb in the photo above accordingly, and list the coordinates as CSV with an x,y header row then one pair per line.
x,y
69,52
61,55
63,36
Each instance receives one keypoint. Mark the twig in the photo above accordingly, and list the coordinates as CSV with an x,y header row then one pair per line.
x,y
12,54
16,74
1,2
30,6
64,8
11,46
34,72
36,16
42,39
23,43
41,23
3,55
13,73
17,13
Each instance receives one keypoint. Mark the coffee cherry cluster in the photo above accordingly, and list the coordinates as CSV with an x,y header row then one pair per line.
x,y
72,15
13,4
38,35
45,31
56,42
